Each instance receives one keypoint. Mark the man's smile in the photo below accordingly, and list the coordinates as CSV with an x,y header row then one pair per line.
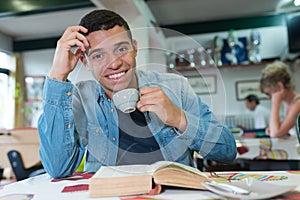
x,y
117,75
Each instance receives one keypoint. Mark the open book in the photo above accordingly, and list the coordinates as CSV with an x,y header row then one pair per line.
x,y
139,179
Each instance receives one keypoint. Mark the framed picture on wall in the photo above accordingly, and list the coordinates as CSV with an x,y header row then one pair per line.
x,y
34,87
245,88
205,84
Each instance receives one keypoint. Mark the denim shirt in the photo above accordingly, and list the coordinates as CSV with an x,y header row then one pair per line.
x,y
81,120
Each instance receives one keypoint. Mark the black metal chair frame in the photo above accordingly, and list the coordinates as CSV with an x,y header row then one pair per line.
x,y
243,164
20,171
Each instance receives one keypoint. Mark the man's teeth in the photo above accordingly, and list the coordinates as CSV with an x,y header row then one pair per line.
x,y
116,75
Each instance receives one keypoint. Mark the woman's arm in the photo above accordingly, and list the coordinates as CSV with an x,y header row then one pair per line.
x,y
280,128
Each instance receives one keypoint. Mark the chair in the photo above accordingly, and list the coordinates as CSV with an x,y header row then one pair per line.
x,y
298,127
1,172
273,165
242,164
19,169
213,166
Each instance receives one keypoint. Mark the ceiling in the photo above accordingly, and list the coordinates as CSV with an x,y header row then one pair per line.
x,y
30,19
170,12
36,19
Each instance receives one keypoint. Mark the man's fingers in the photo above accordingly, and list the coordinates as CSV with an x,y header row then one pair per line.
x,y
76,29
74,42
72,34
147,90
83,39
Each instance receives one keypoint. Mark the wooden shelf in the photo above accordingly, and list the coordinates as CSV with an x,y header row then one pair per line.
x,y
188,68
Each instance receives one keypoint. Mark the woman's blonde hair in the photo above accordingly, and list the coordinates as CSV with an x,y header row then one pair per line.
x,y
273,74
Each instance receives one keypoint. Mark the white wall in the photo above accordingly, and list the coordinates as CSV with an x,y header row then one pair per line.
x,y
5,43
39,62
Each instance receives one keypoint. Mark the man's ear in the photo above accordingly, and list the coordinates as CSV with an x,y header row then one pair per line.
x,y
79,53
134,43
84,61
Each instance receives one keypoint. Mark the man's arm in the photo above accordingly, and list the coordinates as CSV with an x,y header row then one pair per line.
x,y
65,60
60,149
201,131
204,133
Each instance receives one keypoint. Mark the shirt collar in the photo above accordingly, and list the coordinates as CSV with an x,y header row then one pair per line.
x,y
102,95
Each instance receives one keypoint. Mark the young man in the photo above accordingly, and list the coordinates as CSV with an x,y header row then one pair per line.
x,y
170,121
261,114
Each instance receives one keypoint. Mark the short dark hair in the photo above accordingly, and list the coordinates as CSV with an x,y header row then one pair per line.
x,y
103,20
252,97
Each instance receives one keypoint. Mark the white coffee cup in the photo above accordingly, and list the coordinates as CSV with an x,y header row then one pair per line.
x,y
125,100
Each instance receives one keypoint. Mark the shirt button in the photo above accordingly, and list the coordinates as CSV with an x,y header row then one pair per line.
x,y
172,131
68,93
113,139
69,125
97,130
112,110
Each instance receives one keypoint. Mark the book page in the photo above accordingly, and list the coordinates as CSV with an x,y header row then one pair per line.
x,y
160,164
164,164
123,170
132,170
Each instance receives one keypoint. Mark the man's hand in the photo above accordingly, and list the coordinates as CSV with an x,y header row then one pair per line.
x,y
64,59
153,99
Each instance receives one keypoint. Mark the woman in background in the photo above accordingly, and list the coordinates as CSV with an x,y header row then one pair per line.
x,y
277,84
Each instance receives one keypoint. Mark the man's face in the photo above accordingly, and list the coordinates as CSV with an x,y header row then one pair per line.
x,y
111,58
250,105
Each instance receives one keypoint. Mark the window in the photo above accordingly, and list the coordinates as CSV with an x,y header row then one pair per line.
x,y
6,95
33,106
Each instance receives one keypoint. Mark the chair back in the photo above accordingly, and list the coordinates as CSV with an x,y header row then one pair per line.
x,y
17,164
19,169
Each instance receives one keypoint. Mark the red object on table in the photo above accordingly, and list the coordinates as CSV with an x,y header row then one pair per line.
x,y
243,149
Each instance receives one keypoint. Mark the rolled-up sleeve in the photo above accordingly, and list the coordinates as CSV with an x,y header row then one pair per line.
x,y
60,150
